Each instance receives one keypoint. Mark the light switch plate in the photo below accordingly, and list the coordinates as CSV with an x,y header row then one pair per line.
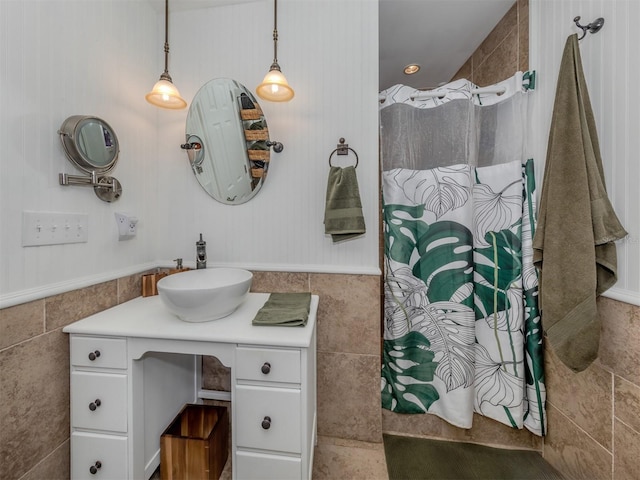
x,y
52,228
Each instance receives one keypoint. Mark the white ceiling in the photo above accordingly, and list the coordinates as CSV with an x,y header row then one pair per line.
x,y
439,35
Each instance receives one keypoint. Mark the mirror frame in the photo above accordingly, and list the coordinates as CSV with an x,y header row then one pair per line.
x,y
70,132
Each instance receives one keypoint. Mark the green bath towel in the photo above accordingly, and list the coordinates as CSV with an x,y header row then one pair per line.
x,y
285,309
573,243
343,217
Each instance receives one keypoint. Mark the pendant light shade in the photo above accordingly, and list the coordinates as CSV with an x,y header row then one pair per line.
x,y
275,87
164,93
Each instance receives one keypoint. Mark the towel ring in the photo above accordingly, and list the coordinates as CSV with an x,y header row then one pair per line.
x,y
343,149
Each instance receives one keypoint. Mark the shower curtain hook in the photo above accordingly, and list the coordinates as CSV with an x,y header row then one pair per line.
x,y
593,27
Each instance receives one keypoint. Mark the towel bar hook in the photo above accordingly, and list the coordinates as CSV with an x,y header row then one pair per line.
x,y
343,149
593,27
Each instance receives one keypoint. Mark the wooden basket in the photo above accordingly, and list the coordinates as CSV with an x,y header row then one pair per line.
x,y
261,155
251,135
150,283
257,172
251,114
196,444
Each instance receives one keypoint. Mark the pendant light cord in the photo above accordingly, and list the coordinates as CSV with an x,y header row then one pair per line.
x,y
165,75
275,36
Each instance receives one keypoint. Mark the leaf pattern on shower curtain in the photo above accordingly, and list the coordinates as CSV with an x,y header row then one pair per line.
x,y
408,368
447,270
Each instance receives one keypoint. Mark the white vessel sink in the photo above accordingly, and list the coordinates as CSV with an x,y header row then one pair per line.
x,y
206,294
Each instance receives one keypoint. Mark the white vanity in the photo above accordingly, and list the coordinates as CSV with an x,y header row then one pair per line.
x,y
135,365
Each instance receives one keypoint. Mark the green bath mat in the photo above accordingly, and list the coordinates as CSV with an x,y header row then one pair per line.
x,y
423,459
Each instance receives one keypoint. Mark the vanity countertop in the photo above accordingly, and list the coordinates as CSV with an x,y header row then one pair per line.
x,y
147,317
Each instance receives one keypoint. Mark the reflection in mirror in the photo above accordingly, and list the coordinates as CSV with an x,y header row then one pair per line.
x,y
90,143
227,141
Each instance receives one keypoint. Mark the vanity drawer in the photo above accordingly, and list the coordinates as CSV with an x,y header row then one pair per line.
x,y
268,364
109,451
260,466
98,352
99,401
269,418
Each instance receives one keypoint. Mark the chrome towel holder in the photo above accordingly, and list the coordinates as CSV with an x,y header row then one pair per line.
x,y
593,27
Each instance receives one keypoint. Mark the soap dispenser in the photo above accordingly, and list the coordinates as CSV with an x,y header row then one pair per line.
x,y
201,253
179,267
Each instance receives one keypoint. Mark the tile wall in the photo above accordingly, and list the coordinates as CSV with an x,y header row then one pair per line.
x,y
594,427
34,365
34,377
504,51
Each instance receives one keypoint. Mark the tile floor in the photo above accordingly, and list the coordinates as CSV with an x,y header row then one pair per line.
x,y
340,459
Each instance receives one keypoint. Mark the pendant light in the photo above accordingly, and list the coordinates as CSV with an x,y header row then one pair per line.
x,y
275,87
164,93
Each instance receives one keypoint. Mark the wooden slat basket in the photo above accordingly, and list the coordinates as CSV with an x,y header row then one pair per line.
x,y
261,155
251,113
252,135
196,444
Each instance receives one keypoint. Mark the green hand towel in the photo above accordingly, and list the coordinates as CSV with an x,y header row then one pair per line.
x,y
285,309
343,217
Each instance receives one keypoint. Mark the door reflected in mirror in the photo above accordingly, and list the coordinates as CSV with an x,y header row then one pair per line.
x,y
227,141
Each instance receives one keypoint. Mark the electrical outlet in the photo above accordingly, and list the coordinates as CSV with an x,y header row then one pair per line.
x,y
50,228
127,226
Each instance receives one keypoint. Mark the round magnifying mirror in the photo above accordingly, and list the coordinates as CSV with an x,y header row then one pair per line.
x,y
227,141
89,143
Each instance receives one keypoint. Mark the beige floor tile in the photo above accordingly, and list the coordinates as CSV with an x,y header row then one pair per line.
x,y
339,459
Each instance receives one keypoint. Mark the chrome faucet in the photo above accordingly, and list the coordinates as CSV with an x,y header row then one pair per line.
x,y
201,253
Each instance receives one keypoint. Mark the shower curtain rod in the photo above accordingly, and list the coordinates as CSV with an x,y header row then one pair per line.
x,y
519,82
498,90
477,91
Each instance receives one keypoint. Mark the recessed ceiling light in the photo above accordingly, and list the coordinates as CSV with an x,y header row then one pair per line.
x,y
411,69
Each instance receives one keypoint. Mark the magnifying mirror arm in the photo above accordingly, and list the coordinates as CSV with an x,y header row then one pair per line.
x,y
90,180
106,188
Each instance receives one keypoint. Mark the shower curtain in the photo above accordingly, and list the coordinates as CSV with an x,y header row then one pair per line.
x,y
462,329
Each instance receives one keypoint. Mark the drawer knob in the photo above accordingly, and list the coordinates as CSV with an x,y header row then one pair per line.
x,y
94,355
266,368
94,405
266,423
93,469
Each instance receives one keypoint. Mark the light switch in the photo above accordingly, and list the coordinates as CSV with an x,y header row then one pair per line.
x,y
52,228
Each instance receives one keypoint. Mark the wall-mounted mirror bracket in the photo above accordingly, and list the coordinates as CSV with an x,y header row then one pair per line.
x,y
277,146
195,152
106,188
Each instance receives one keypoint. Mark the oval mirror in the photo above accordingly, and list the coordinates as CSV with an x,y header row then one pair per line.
x,y
89,143
227,141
